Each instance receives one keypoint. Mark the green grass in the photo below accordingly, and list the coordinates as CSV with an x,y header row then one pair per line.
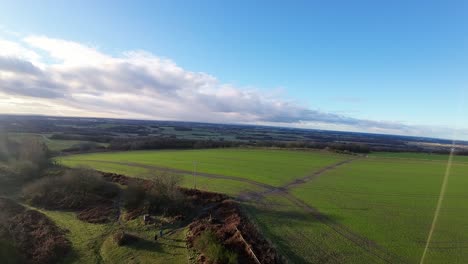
x,y
388,198
418,156
168,249
300,237
108,167
215,185
274,167
392,202
93,243
86,238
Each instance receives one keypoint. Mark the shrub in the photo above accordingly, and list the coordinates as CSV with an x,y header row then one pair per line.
x,y
75,189
161,195
210,246
164,195
134,196
20,162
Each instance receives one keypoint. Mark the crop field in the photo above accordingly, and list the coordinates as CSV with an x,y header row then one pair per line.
x,y
273,167
330,208
418,156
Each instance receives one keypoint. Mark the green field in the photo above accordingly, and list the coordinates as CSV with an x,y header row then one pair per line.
x,y
386,200
273,167
418,156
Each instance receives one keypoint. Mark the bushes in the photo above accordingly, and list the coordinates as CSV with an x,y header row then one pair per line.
x,y
210,246
74,189
164,195
134,196
167,143
21,161
161,195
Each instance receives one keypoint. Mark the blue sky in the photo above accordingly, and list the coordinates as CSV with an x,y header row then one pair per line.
x,y
398,62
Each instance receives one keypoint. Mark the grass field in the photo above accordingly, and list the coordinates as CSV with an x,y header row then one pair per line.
x,y
274,167
388,199
392,202
418,156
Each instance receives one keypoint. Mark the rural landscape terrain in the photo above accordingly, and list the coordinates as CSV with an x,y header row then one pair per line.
x,y
126,191
233,132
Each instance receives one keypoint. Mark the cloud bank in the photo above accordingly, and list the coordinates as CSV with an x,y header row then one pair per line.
x,y
42,75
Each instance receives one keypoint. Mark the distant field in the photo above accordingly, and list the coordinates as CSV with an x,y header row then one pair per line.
x,y
52,144
407,155
274,167
387,199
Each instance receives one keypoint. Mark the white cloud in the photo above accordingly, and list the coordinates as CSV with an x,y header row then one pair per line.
x,y
67,52
74,79
16,50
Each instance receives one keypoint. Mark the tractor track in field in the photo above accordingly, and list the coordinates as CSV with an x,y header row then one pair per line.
x,y
363,243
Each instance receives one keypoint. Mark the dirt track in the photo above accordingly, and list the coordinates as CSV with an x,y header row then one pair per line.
x,y
364,243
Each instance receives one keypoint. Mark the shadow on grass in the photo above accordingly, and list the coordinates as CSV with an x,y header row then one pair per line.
x,y
290,212
174,240
286,216
147,245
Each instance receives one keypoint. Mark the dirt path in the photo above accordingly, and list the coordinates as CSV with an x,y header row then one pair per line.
x,y
364,243
300,181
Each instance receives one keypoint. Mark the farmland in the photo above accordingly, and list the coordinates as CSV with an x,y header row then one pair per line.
x,y
273,167
375,209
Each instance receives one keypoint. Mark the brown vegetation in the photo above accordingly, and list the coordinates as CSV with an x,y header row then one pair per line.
x,y
75,189
236,232
36,237
222,217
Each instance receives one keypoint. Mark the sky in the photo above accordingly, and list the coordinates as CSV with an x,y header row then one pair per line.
x,y
394,67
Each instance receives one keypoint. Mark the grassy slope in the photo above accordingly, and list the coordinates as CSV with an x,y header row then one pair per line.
x,y
168,249
273,167
86,238
93,243
392,201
